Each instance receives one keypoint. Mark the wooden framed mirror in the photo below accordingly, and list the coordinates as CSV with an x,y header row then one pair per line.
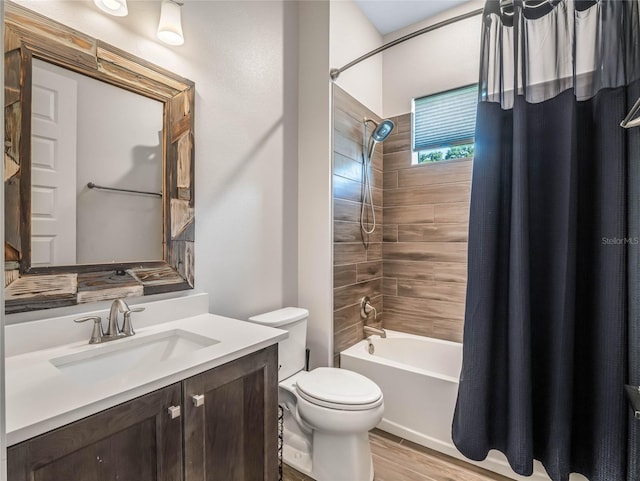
x,y
31,38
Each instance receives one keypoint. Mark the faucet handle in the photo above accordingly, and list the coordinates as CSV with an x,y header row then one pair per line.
x,y
97,333
366,307
127,327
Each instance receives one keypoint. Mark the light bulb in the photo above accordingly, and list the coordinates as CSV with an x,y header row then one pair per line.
x,y
170,25
117,8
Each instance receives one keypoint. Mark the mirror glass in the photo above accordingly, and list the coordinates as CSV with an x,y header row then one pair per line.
x,y
89,138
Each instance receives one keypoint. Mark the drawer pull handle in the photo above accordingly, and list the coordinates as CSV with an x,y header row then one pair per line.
x,y
174,412
198,400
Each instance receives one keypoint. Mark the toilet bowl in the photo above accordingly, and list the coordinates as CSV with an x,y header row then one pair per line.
x,y
327,411
333,409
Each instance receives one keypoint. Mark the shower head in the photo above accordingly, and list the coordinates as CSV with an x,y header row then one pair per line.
x,y
383,130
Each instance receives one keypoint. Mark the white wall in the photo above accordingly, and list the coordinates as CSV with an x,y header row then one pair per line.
x,y
315,273
443,59
352,35
243,59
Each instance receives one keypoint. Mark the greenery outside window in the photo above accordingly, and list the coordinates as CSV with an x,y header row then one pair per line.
x,y
443,125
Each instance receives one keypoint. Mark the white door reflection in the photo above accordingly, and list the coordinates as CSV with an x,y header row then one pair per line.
x,y
53,168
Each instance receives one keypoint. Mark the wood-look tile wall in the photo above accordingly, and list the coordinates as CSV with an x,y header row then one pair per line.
x,y
426,219
357,258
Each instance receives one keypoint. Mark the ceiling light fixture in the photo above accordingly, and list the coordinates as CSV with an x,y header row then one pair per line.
x,y
170,26
117,8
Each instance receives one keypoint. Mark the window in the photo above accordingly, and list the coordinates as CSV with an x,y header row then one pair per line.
x,y
443,125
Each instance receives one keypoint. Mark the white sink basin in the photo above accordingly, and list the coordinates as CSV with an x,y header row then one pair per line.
x,y
115,358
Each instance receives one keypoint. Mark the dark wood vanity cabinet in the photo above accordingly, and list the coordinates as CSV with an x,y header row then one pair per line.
x,y
134,441
229,434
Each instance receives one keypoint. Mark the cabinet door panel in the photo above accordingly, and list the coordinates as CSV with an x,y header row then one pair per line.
x,y
233,435
135,441
224,432
127,456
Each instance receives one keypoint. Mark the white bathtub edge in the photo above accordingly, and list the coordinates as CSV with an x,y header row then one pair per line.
x,y
359,351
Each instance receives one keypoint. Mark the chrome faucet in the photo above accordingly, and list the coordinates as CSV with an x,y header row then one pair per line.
x,y
374,330
113,329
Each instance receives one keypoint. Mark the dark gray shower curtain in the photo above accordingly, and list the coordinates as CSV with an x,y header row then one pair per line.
x,y
553,299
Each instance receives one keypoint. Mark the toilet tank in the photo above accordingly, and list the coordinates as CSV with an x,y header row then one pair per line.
x,y
291,351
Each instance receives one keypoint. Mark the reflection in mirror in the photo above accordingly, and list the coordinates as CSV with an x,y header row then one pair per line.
x,y
84,132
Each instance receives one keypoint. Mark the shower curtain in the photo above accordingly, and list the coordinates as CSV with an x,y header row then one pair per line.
x,y
551,329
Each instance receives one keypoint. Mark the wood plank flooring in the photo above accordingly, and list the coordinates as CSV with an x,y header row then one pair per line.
x,y
396,459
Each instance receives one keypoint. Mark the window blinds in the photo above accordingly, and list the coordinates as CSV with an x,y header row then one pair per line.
x,y
445,119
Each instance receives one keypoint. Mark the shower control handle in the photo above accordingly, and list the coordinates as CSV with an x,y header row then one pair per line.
x,y
366,307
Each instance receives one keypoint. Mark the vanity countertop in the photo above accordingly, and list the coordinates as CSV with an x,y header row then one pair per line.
x,y
41,397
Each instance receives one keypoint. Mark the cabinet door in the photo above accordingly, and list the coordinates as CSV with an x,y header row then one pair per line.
x,y
231,433
134,441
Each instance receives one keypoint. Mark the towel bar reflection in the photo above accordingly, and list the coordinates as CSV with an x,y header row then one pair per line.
x,y
92,185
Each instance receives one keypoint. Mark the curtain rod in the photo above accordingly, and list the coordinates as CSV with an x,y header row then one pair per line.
x,y
335,72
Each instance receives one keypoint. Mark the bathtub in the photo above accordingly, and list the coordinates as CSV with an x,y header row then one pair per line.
x,y
419,380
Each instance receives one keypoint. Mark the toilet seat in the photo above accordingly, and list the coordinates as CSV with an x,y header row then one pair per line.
x,y
339,389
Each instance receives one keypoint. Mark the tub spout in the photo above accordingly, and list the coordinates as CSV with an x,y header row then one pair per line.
x,y
369,330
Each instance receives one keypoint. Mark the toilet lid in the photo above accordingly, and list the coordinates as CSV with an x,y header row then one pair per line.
x,y
328,386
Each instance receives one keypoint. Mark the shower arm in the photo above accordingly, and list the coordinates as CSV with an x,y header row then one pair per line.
x,y
372,142
372,146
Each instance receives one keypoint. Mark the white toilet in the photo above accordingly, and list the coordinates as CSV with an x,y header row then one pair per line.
x,y
328,411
